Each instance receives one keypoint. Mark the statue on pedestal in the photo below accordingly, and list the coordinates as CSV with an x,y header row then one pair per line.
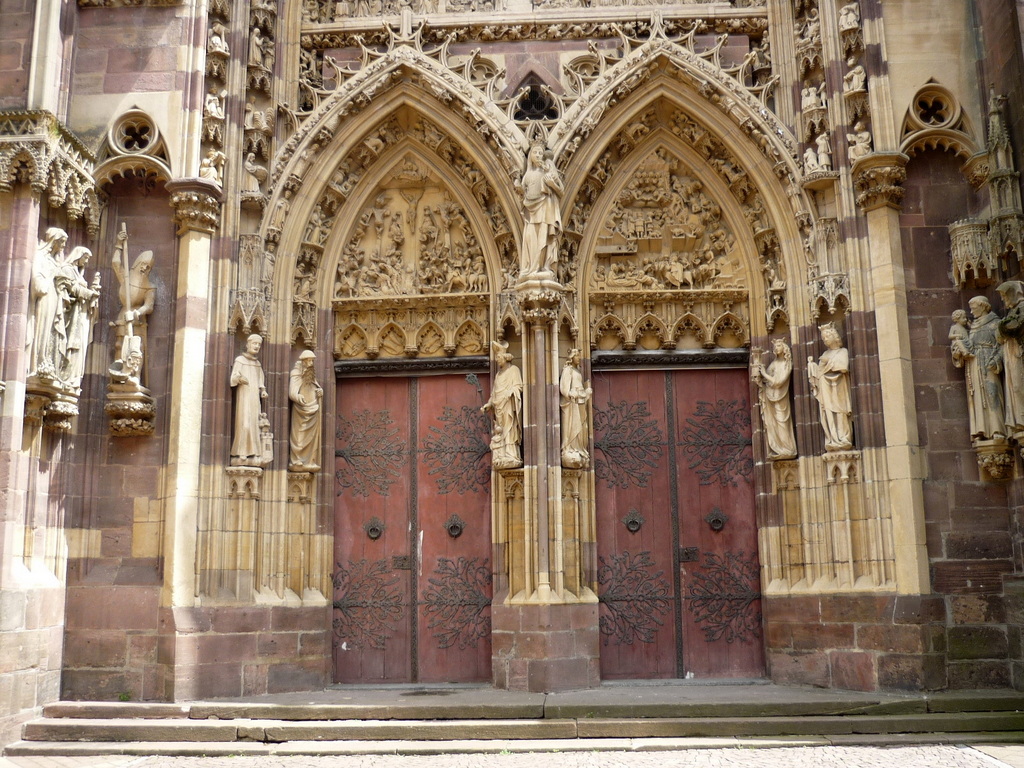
x,y
830,384
1010,334
44,304
542,196
506,405
306,396
773,391
77,313
575,395
247,449
975,349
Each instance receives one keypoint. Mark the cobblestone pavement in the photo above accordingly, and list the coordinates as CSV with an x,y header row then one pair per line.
x,y
804,757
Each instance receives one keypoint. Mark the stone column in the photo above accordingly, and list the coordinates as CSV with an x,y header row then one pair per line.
x,y
877,180
544,636
19,221
197,211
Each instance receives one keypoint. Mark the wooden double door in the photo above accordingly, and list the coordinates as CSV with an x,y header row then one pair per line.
x,y
678,570
412,580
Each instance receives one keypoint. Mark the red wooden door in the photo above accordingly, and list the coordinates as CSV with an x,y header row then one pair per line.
x,y
412,531
677,537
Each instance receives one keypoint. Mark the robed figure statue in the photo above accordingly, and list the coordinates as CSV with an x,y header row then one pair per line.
x,y
506,405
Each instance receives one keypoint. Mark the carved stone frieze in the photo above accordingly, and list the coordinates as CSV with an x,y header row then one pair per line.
x,y
37,149
413,327
878,179
684,319
126,3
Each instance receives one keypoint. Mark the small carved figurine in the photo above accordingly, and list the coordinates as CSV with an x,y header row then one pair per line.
x,y
250,391
506,405
830,384
211,167
860,141
824,151
849,17
773,394
575,395
855,80
542,194
306,396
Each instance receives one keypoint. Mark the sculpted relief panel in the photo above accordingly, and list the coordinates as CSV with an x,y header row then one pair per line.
x,y
666,240
411,279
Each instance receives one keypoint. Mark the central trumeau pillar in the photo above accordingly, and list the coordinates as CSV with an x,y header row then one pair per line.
x,y
545,628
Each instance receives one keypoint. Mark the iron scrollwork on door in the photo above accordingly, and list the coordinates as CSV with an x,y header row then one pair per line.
x,y
367,442
457,451
457,600
367,602
629,442
634,598
722,597
717,440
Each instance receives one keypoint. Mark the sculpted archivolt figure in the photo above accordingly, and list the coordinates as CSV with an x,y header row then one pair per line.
x,y
830,384
250,391
506,405
137,296
575,395
1011,335
773,393
45,304
542,195
306,396
975,349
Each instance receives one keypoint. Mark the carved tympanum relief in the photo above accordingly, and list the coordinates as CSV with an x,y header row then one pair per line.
x,y
411,279
666,239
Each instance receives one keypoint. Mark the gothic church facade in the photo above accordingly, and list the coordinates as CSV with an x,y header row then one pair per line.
x,y
524,343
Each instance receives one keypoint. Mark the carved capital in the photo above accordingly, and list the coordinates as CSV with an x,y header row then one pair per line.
x,y
539,303
842,467
196,204
131,410
877,180
976,170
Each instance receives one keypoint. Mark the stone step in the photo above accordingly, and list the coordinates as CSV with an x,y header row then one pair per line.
x,y
278,731
496,746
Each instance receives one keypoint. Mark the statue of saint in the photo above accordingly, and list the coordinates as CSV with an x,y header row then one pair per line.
x,y
247,449
1010,334
137,296
542,195
575,395
975,349
830,384
45,304
79,302
306,396
506,405
773,394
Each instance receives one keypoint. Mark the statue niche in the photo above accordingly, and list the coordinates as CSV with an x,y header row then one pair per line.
x,y
411,279
665,245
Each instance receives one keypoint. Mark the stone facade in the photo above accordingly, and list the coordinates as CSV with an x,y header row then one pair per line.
x,y
600,217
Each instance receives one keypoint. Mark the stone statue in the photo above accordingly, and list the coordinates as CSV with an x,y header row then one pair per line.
x,y
849,17
306,396
824,151
217,39
860,141
542,194
211,167
45,304
830,384
855,80
79,301
1010,334
137,296
773,394
506,405
575,395
250,391
213,106
975,349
